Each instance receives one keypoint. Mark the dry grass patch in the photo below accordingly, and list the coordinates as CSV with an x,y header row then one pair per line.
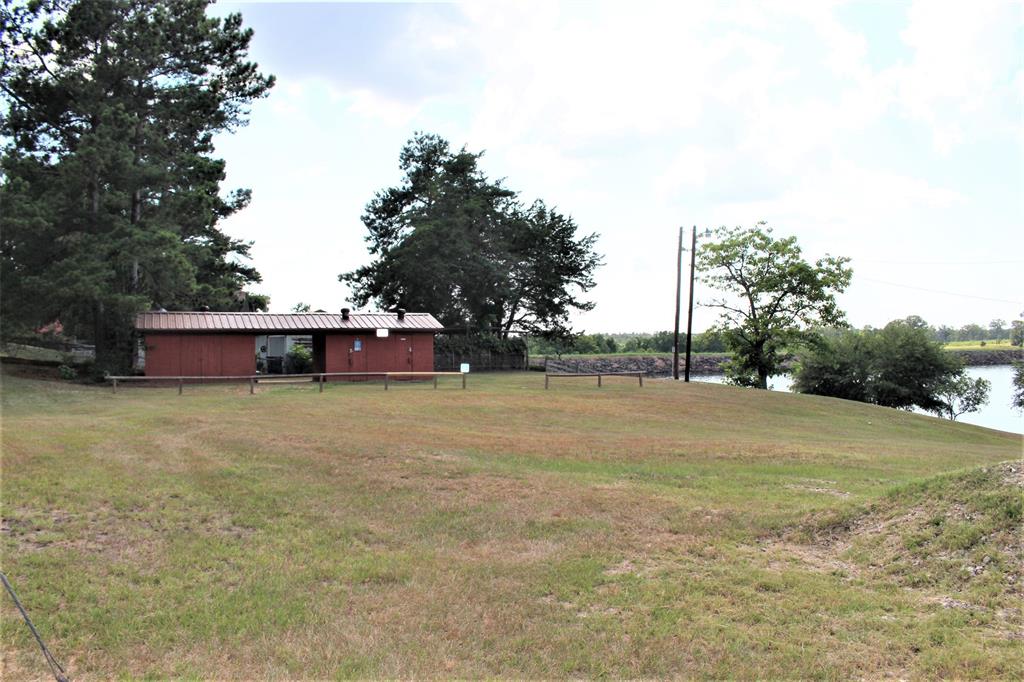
x,y
502,531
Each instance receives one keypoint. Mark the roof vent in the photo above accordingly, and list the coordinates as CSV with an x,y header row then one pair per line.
x,y
204,308
401,313
344,313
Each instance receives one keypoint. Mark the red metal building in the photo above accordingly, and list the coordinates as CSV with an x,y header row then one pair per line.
x,y
225,344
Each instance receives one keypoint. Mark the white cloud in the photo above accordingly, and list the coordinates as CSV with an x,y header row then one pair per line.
x,y
636,118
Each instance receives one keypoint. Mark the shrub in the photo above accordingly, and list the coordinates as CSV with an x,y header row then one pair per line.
x,y
897,366
67,373
300,360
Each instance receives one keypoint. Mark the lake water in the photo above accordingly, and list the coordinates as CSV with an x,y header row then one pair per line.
x,y
997,414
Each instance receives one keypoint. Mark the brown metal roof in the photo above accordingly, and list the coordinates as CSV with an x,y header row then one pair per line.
x,y
281,322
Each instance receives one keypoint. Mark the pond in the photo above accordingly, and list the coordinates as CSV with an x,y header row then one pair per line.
x,y
997,414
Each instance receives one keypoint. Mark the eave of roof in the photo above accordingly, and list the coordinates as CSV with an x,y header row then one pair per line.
x,y
262,323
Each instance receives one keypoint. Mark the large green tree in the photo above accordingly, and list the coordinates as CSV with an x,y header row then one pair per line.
x,y
110,192
773,298
452,242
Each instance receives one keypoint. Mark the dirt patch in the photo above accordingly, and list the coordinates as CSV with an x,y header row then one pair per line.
x,y
816,489
107,531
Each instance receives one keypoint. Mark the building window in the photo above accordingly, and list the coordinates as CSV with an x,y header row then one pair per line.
x,y
357,345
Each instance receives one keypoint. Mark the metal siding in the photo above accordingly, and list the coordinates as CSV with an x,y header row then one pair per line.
x,y
424,354
163,355
238,354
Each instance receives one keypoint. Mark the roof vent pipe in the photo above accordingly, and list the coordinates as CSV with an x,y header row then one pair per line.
x,y
401,313
204,308
344,313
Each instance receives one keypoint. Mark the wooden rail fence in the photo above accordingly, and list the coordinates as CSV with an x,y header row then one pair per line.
x,y
254,379
599,375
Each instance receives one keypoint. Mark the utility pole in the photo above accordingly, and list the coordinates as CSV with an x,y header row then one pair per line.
x,y
679,283
689,315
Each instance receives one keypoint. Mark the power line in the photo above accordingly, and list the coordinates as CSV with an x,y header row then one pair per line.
x,y
936,291
940,262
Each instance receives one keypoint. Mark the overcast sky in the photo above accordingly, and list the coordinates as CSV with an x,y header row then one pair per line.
x,y
889,132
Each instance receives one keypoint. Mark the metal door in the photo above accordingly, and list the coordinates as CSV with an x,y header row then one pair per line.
x,y
357,353
404,354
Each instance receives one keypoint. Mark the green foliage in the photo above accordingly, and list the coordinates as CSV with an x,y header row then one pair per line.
x,y
1017,333
67,373
300,360
961,394
772,297
1017,400
596,344
452,242
111,195
301,307
469,344
610,344
897,366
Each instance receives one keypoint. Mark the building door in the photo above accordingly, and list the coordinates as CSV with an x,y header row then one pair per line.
x,y
404,354
357,354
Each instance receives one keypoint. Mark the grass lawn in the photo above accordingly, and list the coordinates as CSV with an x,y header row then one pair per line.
x,y
995,344
675,530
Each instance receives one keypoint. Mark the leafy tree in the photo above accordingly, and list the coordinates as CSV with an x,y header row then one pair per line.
x,y
774,296
840,367
301,307
450,241
1017,400
710,341
997,329
1017,333
971,332
110,191
961,394
897,366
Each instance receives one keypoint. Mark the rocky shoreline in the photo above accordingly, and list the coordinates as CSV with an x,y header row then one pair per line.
x,y
711,363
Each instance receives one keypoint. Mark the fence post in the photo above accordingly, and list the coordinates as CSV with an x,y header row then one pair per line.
x,y
386,381
641,378
545,379
114,385
435,382
321,383
181,385
599,381
463,381
252,386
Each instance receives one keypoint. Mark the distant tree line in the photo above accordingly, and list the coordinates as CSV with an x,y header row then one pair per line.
x,y
611,344
996,330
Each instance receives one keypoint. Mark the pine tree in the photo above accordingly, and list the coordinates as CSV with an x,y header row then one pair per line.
x,y
111,195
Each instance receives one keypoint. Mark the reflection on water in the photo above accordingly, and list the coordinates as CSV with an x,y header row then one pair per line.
x,y
997,414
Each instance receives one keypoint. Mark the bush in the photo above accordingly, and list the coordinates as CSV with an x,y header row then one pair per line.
x,y
67,373
300,360
898,366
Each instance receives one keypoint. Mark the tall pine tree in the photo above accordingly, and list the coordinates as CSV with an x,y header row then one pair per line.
x,y
110,193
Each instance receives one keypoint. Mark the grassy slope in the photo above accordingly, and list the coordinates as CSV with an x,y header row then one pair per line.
x,y
503,530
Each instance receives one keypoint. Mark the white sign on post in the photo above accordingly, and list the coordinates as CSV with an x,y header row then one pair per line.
x,y
464,368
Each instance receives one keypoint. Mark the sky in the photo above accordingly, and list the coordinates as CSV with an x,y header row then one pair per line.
x,y
888,132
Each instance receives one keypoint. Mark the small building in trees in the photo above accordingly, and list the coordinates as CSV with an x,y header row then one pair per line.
x,y
214,344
